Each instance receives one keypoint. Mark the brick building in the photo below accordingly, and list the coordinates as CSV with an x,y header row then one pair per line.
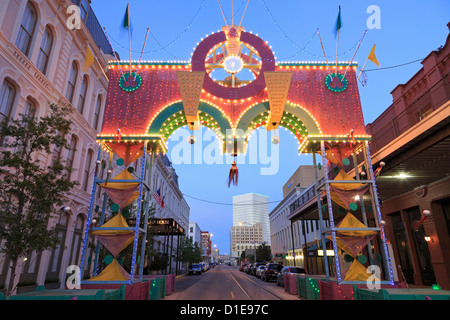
x,y
412,137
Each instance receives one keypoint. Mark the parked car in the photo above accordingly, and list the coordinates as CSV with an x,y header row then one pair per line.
x,y
242,267
211,265
249,268
195,269
286,270
259,271
255,267
271,271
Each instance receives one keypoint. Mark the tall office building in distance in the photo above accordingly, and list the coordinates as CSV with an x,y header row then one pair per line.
x,y
250,209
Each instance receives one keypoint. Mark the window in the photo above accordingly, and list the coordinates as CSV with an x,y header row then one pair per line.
x,y
76,241
83,91
87,169
44,52
84,9
30,109
26,29
70,156
29,113
97,112
56,152
7,94
71,82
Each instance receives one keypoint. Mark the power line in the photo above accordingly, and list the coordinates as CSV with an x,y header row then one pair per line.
x,y
395,66
231,204
172,42
295,44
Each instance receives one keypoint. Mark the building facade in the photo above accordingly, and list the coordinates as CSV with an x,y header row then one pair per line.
x,y
206,245
42,61
244,237
195,233
292,238
164,178
412,138
251,209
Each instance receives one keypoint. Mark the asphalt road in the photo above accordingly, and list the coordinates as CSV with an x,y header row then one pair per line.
x,y
226,283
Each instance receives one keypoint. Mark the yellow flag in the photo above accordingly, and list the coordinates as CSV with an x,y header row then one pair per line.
x,y
372,56
89,59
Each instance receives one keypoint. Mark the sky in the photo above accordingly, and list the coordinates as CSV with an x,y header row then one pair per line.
x,y
407,31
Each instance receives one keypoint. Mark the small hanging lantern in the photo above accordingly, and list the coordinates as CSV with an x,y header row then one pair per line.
x,y
191,139
275,139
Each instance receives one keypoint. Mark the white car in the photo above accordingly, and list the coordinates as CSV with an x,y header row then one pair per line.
x,y
259,269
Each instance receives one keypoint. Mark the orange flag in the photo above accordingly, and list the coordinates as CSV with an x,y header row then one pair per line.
x,y
372,56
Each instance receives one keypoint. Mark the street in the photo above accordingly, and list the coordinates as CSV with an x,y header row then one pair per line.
x,y
226,283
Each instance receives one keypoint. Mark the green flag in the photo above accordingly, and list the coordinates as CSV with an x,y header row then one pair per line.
x,y
338,23
126,19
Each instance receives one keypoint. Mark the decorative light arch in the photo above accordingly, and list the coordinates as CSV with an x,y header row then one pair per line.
x,y
172,117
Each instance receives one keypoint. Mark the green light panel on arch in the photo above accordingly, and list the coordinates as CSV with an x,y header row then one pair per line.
x,y
289,121
178,120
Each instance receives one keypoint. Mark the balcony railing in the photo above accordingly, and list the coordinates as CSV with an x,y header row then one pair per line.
x,y
307,195
419,109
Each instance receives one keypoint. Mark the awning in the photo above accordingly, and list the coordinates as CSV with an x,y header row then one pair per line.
x,y
314,247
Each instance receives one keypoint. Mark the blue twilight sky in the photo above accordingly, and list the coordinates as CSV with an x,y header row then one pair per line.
x,y
409,30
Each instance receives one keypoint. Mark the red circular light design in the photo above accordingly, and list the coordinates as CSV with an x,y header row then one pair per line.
x,y
251,89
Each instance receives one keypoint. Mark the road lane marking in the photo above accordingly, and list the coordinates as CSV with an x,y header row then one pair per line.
x,y
241,287
262,287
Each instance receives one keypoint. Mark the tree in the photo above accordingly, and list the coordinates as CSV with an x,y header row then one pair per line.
x,y
30,192
263,253
190,251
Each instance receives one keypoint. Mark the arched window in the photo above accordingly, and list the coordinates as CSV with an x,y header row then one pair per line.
x,y
87,169
7,94
71,156
72,81
76,240
29,113
26,29
56,254
83,91
30,109
44,52
98,105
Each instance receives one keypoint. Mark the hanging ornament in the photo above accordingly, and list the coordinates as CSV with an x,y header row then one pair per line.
x,y
191,139
67,210
233,176
275,139
376,173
